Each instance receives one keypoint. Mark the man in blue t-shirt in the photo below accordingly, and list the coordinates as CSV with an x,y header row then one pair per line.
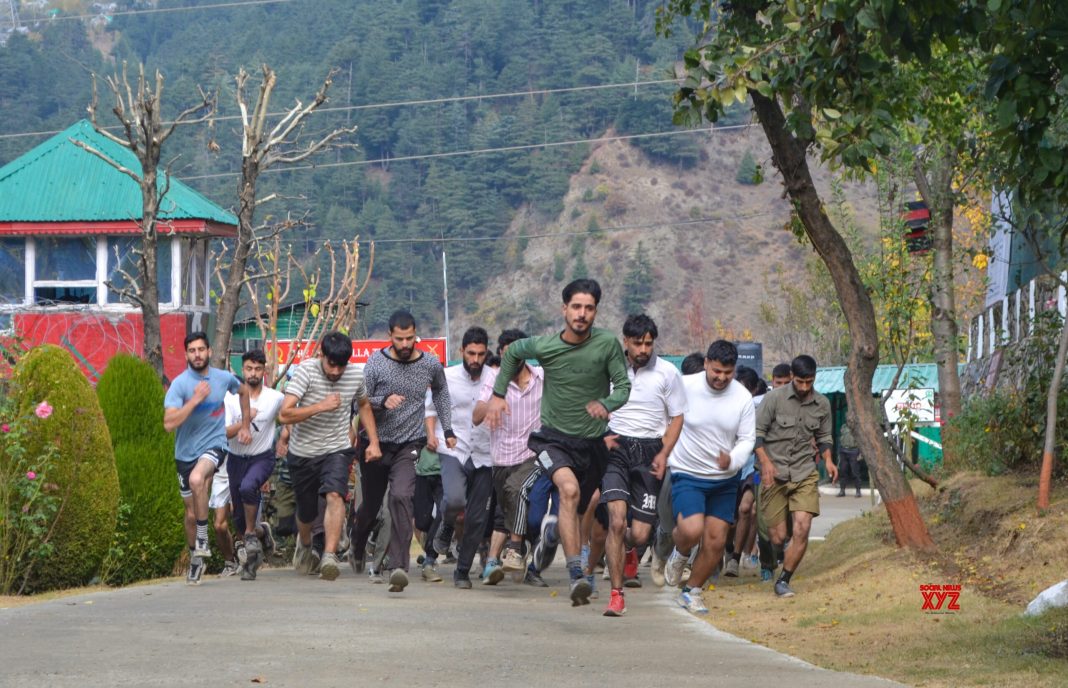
x,y
193,409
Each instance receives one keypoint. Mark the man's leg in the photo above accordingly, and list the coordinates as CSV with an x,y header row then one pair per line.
x,y
374,479
615,545
454,487
798,541
741,532
708,557
200,485
401,491
567,487
223,538
476,514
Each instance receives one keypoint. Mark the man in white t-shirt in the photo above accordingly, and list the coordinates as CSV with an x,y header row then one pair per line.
x,y
718,435
250,466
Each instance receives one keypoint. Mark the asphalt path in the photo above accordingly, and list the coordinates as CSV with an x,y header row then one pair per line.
x,y
290,630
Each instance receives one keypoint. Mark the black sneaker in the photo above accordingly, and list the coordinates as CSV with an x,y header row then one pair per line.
x,y
534,580
545,548
461,581
253,556
580,591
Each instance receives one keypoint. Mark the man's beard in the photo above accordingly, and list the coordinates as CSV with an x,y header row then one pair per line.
x,y
474,370
201,368
403,354
640,360
253,382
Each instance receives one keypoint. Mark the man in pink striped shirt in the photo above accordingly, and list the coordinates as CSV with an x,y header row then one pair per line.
x,y
513,462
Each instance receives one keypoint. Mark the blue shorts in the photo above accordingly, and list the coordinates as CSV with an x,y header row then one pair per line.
x,y
691,496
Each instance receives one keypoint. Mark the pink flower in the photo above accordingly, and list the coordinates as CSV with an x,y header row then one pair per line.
x,y
25,508
43,410
30,475
5,428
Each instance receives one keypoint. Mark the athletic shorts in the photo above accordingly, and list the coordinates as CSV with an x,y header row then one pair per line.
x,y
627,477
185,469
314,476
220,489
781,497
691,496
587,458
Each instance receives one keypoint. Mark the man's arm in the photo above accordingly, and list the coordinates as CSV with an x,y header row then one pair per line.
x,y
371,378
671,437
746,439
244,434
431,422
514,356
291,413
764,417
367,422
617,373
439,390
175,416
825,441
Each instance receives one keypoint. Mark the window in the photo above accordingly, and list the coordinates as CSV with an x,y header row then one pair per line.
x,y
123,258
12,271
65,270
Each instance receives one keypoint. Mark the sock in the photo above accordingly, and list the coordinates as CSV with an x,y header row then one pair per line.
x,y
202,530
785,576
619,590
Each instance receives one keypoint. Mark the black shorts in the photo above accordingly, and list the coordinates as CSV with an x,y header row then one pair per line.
x,y
628,477
318,475
185,469
585,456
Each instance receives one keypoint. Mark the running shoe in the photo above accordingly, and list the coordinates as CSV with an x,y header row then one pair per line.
x,y
534,580
630,570
592,579
765,575
512,561
316,561
230,568
545,547
580,591
461,581
239,551
493,573
430,573
398,580
374,575
656,570
302,558
692,601
196,570
329,567
731,569
673,569
201,549
442,539
617,606
783,589
269,545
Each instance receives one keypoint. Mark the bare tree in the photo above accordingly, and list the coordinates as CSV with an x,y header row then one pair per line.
x,y
261,148
139,111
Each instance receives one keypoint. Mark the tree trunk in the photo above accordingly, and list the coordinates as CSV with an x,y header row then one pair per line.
x,y
235,276
153,341
943,293
1046,473
788,154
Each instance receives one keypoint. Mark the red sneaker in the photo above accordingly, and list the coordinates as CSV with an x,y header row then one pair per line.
x,y
617,606
630,569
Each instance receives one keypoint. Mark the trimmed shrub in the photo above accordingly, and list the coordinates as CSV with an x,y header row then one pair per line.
x,y
85,469
150,537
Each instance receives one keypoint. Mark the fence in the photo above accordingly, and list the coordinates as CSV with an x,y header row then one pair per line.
x,y
1012,318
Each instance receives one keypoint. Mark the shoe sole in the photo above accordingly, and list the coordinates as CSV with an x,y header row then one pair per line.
x,y
613,612
398,581
632,583
436,578
509,568
784,595
329,571
730,574
581,593
495,577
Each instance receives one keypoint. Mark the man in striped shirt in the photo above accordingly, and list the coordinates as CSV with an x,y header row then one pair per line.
x,y
514,464
318,404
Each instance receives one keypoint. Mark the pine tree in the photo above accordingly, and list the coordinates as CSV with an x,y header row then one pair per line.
x,y
638,283
748,170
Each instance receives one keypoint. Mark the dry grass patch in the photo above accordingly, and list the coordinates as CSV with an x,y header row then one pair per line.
x,y
859,605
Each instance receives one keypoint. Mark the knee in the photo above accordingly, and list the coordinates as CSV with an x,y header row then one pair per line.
x,y
198,481
222,523
569,492
802,528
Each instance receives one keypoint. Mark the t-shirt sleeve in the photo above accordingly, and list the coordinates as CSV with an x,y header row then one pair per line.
x,y
743,446
517,352
617,372
298,384
175,397
676,395
764,416
233,385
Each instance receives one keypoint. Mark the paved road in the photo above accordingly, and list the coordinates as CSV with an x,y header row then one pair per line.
x,y
834,509
290,630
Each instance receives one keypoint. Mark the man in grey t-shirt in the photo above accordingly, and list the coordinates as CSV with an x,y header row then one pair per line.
x,y
317,405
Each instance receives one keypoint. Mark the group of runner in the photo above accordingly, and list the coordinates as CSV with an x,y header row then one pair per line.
x,y
598,448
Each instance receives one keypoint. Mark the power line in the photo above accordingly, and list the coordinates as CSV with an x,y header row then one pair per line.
x,y
161,10
409,103
476,151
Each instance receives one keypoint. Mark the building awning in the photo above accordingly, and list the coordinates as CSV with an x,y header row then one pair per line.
x,y
832,380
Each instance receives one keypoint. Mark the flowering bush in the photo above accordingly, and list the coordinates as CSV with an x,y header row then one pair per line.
x,y
29,502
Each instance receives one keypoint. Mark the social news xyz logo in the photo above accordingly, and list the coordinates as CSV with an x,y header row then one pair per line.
x,y
940,599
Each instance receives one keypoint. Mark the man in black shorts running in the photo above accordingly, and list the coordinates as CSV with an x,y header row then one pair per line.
x,y
585,380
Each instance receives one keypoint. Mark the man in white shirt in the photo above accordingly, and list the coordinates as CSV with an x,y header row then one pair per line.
x,y
467,468
250,465
718,435
641,435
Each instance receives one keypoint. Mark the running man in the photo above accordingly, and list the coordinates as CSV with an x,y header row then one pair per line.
x,y
790,417
641,436
397,379
585,380
193,410
250,466
466,469
319,402
716,440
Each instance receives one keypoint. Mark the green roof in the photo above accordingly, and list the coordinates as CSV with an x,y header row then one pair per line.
x,y
58,181
925,375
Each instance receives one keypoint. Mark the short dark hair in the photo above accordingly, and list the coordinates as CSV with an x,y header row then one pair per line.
x,y
723,352
639,325
401,319
474,335
781,370
694,363
748,377
803,366
509,336
336,347
193,336
762,388
583,286
493,361
256,356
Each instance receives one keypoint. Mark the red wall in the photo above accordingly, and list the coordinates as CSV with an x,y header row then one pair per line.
x,y
93,338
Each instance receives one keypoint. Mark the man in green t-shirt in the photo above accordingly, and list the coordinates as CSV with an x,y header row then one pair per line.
x,y
585,380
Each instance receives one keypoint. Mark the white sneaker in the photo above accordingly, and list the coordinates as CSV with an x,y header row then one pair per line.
x,y
656,571
329,567
673,568
230,568
692,601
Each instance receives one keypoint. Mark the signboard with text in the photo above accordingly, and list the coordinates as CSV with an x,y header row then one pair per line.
x,y
361,349
917,402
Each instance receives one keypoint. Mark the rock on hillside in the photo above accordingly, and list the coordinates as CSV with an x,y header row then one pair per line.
x,y
713,244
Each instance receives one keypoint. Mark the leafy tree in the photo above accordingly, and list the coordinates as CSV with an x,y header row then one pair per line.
x,y
637,283
748,172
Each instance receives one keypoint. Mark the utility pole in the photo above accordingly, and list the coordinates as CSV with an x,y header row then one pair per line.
x,y
445,282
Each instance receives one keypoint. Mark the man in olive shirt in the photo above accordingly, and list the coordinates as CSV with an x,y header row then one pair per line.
x,y
788,420
585,380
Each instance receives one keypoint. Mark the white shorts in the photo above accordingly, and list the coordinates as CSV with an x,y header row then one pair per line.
x,y
220,489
